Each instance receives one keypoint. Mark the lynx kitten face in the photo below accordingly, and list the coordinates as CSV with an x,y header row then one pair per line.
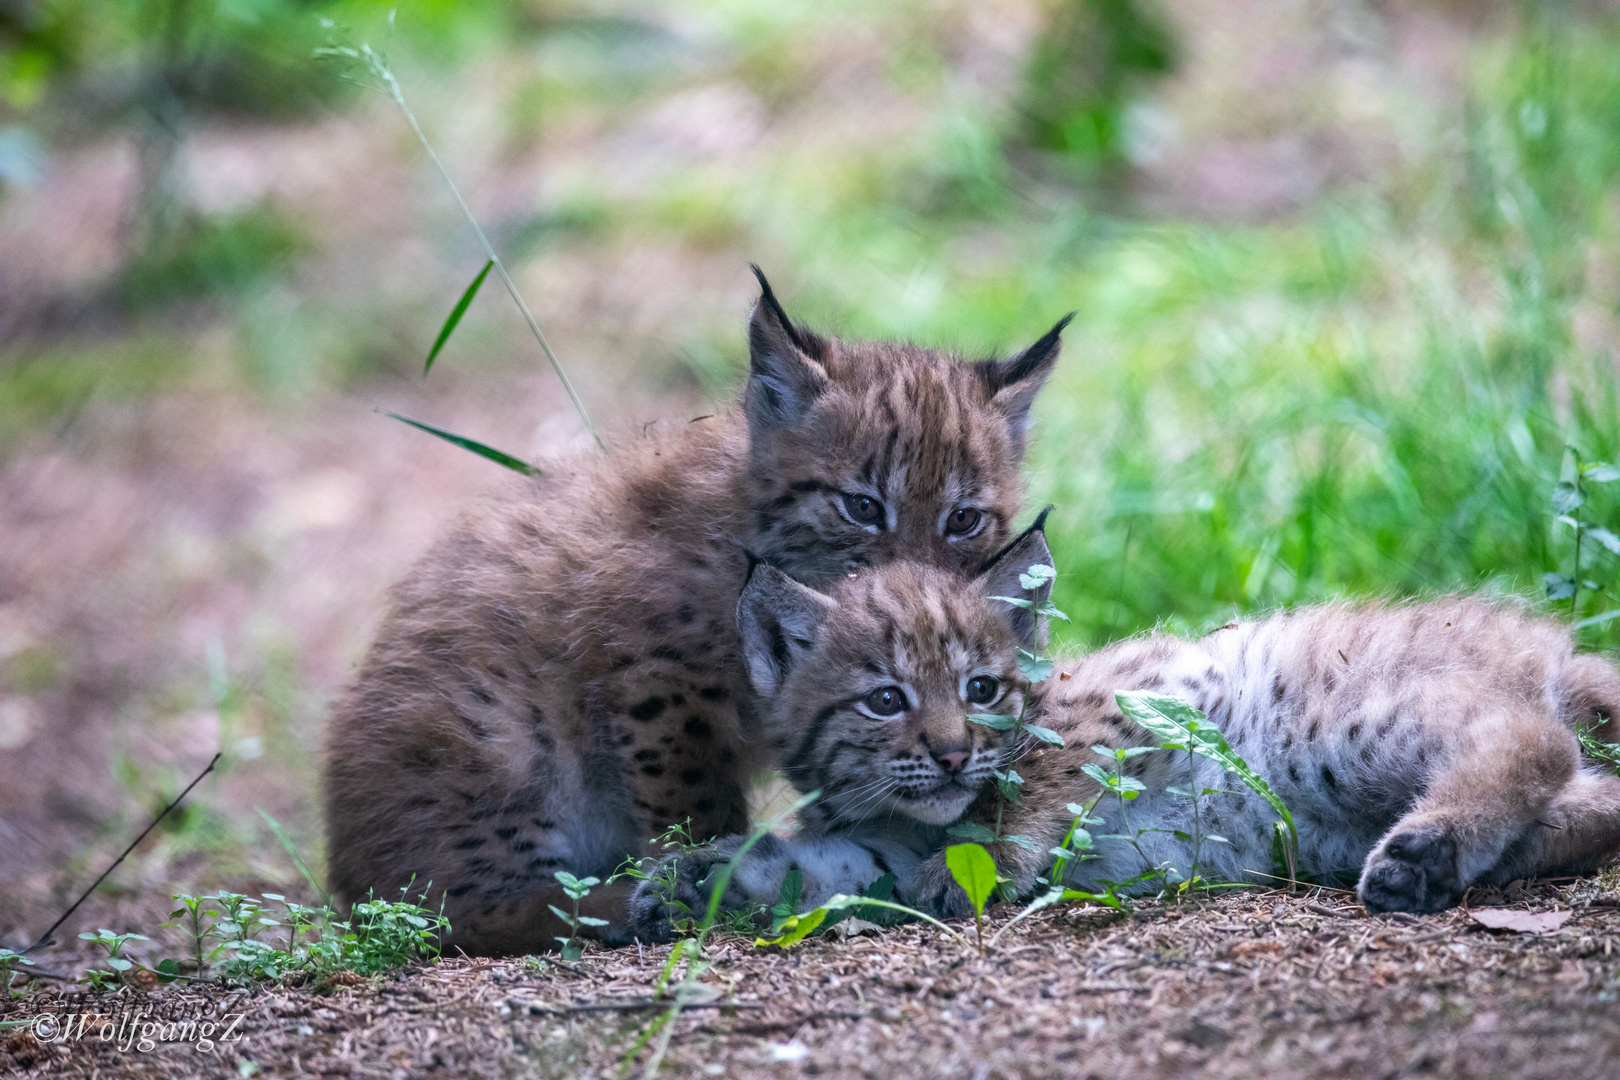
x,y
873,684
561,678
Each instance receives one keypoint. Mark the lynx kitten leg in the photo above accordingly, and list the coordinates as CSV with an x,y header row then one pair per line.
x,y
1501,775
1578,833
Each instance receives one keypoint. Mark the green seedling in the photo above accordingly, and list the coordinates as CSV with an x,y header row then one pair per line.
x,y
121,965
9,959
577,890
975,871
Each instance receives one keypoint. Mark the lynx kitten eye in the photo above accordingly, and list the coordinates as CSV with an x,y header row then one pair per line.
x,y
863,509
962,521
982,689
886,701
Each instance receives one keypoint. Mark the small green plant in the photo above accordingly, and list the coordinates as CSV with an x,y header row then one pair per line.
x,y
577,890
1020,732
9,959
1569,500
1179,726
121,965
975,871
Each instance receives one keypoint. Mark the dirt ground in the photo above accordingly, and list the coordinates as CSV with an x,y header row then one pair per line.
x,y
1250,984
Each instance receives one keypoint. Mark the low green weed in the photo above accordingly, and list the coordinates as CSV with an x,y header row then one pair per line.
x,y
9,959
577,890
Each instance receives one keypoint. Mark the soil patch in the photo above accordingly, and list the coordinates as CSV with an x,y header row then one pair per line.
x,y
1250,984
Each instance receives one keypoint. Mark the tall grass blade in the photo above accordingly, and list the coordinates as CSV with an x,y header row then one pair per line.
x,y
295,855
497,456
456,313
384,74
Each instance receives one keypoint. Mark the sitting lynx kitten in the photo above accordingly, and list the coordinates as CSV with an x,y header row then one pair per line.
x,y
560,678
1421,748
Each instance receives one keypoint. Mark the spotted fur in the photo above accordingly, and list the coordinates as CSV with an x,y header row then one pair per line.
x,y
561,677
1422,747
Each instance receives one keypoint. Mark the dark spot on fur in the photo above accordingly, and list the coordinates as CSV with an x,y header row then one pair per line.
x,y
664,652
1354,733
697,727
523,845
1328,779
1293,772
484,696
648,709
1279,689
703,806
686,613
480,867
677,700
460,890
545,823
1388,724
1310,732
541,864
648,754
471,842
653,770
658,624
507,832
712,693
692,777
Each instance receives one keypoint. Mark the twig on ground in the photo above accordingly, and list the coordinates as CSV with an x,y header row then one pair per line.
x,y
45,938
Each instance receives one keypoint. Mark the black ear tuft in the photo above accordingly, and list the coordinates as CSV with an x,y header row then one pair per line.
x,y
784,377
768,298
1000,577
1013,383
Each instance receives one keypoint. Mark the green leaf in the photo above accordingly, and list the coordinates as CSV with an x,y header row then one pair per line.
x,y
1046,735
971,830
589,920
1567,497
168,970
1596,619
796,928
568,920
1028,605
1033,667
1559,587
996,721
1051,612
569,881
1600,472
1604,537
1036,576
974,870
455,315
498,457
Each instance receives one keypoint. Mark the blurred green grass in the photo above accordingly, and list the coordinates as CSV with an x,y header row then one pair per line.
x,y
1371,395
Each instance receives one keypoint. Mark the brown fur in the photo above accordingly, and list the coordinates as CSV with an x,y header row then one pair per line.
x,y
560,678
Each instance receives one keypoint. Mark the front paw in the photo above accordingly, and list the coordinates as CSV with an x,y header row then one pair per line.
x,y
1413,870
676,893
938,894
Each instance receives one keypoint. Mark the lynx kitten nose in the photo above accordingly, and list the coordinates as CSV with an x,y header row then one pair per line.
x,y
952,761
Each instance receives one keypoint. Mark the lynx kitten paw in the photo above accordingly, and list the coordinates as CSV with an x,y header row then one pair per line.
x,y
1413,870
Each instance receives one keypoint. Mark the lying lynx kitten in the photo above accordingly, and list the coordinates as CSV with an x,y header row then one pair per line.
x,y
1422,748
560,678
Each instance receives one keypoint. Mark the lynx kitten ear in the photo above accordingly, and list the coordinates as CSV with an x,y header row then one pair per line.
x,y
1004,574
1014,382
778,619
784,378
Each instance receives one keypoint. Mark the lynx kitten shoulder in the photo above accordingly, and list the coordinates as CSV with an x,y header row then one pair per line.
x,y
560,678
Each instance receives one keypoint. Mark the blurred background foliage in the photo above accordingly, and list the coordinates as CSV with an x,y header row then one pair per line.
x,y
1346,276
